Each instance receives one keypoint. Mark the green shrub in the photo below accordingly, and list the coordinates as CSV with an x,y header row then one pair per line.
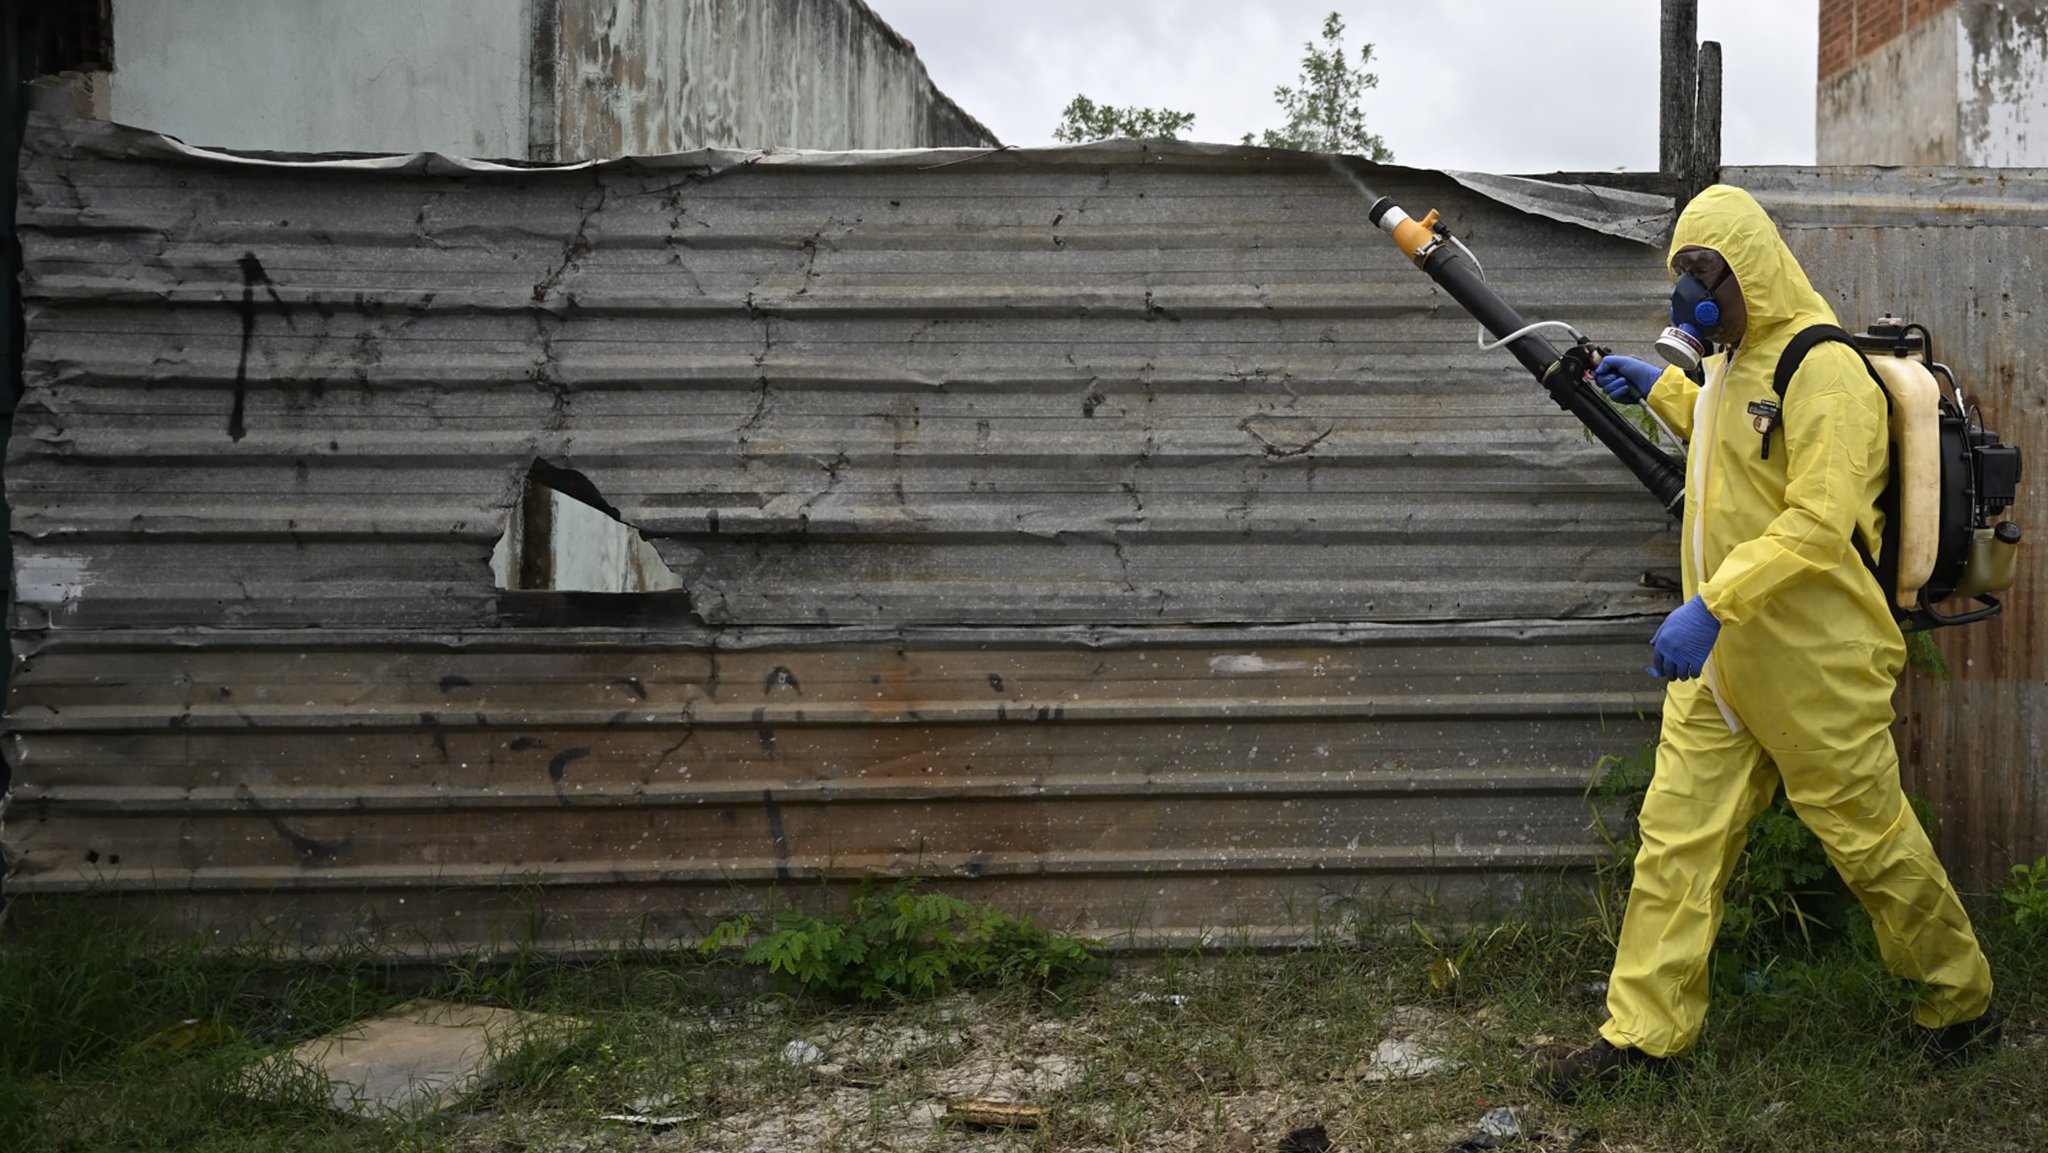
x,y
902,943
1784,890
2026,897
1924,656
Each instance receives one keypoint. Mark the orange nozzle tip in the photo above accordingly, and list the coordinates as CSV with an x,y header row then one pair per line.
x,y
1412,236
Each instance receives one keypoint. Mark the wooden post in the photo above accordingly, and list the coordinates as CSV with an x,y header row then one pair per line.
x,y
1679,89
1705,166
533,552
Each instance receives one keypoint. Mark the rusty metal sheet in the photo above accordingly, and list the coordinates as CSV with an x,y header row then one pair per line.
x,y
1122,533
1963,252
1156,776
1858,196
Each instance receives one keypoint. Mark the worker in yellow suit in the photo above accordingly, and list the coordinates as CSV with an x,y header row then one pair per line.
x,y
1781,662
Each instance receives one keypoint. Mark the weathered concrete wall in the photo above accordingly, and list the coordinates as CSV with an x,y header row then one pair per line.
x,y
326,75
1897,105
539,79
1967,86
2002,59
654,76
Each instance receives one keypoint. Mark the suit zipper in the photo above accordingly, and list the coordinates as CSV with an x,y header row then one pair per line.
x,y
1719,390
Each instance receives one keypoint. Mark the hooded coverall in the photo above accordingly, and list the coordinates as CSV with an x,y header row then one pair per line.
x,y
1798,686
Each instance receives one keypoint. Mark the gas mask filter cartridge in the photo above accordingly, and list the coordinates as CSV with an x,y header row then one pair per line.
x,y
1683,346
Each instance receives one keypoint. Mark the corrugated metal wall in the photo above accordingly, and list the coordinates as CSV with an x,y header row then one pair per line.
x,y
1965,252
1125,534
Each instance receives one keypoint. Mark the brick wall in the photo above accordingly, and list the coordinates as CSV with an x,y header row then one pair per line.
x,y
1853,29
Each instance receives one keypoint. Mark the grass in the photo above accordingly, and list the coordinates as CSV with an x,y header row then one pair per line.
x,y
1168,1053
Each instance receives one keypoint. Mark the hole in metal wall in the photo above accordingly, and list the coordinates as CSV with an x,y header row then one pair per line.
x,y
568,558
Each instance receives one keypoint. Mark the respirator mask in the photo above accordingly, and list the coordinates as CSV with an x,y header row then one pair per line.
x,y
1693,315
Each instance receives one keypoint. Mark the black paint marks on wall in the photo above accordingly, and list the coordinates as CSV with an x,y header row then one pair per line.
x,y
252,275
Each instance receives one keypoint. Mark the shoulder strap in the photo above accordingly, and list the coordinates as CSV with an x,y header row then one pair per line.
x,y
1885,569
1802,343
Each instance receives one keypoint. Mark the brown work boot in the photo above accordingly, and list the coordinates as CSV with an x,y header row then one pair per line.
x,y
1565,1077
1962,1042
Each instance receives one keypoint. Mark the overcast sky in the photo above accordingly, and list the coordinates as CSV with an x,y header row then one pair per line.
x,y
1493,85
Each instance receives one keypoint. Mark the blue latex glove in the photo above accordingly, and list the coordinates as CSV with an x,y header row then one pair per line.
x,y
1679,650
1626,379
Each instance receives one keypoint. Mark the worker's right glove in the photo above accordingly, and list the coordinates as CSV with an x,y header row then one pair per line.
x,y
1626,379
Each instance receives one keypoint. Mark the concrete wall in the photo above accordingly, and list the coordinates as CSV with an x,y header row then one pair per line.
x,y
1966,85
1895,106
532,79
326,75
652,76
2002,59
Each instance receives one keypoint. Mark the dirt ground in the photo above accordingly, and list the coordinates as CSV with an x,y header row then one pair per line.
x,y
913,1081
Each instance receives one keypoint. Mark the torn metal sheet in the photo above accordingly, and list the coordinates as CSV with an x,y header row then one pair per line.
x,y
1637,216
77,138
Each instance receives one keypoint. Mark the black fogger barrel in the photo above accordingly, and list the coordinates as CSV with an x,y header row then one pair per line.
x,y
1564,374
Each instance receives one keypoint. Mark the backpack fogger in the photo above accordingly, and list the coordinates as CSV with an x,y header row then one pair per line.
x,y
1950,475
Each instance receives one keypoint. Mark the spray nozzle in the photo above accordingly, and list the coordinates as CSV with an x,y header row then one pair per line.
x,y
1414,237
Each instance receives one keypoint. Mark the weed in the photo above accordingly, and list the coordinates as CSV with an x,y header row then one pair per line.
x,y
901,942
1449,960
1784,889
1923,656
1616,790
80,993
1169,1053
2025,897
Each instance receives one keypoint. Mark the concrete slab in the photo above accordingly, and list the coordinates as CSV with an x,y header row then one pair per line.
x,y
419,1057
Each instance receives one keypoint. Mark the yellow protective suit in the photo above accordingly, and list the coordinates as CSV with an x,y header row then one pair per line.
x,y
1799,685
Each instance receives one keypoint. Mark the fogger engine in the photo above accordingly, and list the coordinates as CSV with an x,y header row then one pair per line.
x,y
1952,481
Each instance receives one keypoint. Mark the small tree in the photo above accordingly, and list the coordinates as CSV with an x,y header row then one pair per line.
x,y
1323,113
1085,120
